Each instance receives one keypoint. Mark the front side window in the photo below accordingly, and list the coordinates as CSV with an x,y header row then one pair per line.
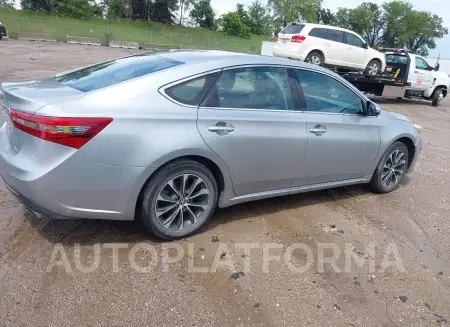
x,y
421,64
193,91
325,94
115,71
252,88
354,40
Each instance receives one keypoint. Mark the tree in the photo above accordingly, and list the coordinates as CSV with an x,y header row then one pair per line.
x,y
184,5
6,3
259,19
240,10
38,5
80,9
203,14
162,11
326,17
118,9
286,11
232,24
373,35
358,19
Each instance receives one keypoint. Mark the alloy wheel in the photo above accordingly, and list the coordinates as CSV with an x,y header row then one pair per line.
x,y
314,60
182,202
393,169
373,69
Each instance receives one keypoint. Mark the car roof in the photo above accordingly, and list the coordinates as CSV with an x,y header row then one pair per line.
x,y
311,25
223,59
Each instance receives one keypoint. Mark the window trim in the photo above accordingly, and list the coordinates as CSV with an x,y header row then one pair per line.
x,y
162,89
293,89
302,95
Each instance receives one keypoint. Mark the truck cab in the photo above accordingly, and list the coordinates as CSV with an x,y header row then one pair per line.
x,y
424,81
406,75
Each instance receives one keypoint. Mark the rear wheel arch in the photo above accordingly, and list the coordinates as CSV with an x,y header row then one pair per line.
x,y
320,52
213,166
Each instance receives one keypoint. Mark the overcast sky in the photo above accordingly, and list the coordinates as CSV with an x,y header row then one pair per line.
x,y
439,7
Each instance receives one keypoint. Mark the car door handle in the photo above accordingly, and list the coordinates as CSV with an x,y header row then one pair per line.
x,y
221,128
318,130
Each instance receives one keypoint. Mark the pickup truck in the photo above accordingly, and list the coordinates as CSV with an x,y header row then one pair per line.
x,y
406,75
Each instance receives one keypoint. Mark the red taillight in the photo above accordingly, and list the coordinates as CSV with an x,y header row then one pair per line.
x,y
74,132
298,38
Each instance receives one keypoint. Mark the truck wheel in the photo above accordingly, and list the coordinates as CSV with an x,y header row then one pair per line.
x,y
437,97
373,67
315,57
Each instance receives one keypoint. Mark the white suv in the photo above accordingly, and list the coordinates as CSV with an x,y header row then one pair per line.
x,y
329,46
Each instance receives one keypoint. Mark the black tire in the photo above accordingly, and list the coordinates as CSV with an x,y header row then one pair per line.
x,y
315,58
159,181
436,97
377,183
370,67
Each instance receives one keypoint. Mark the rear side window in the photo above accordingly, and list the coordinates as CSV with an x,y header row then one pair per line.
x,y
115,71
293,29
193,91
328,34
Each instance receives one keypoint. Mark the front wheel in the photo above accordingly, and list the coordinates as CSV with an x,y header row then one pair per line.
x,y
437,97
391,169
373,67
179,199
315,58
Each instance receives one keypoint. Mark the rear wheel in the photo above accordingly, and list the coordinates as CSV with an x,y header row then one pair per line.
x,y
179,199
315,58
391,169
373,67
437,97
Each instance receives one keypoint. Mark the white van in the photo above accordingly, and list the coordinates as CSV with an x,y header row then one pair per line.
x,y
329,46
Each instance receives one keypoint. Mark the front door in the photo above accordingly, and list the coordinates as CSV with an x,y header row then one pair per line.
x,y
356,52
342,142
250,121
421,78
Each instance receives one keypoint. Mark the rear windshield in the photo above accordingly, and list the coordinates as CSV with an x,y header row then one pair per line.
x,y
396,59
115,71
293,29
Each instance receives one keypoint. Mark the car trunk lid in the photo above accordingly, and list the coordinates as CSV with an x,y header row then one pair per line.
x,y
30,96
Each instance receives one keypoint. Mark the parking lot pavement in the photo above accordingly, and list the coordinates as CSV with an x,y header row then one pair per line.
x,y
66,273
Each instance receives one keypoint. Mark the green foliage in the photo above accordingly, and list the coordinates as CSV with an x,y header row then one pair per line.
x,y
203,14
232,24
326,17
6,3
395,24
287,10
119,9
260,22
80,9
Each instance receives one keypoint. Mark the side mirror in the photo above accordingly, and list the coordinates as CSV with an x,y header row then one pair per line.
x,y
436,68
372,109
366,45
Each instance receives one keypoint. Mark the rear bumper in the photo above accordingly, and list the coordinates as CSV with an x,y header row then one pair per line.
x,y
39,211
287,52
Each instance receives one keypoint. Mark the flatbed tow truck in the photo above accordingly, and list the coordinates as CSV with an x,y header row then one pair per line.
x,y
406,76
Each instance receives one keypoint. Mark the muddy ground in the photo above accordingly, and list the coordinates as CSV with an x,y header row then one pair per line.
x,y
118,291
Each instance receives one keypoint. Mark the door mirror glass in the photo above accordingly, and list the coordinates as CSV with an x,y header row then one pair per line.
x,y
373,109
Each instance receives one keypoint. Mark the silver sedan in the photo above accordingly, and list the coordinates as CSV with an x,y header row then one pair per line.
x,y
167,137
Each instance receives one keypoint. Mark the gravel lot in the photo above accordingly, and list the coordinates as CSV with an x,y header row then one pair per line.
x,y
414,220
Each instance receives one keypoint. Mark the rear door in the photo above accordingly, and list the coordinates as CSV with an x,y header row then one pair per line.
x,y
336,47
342,142
249,119
356,51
